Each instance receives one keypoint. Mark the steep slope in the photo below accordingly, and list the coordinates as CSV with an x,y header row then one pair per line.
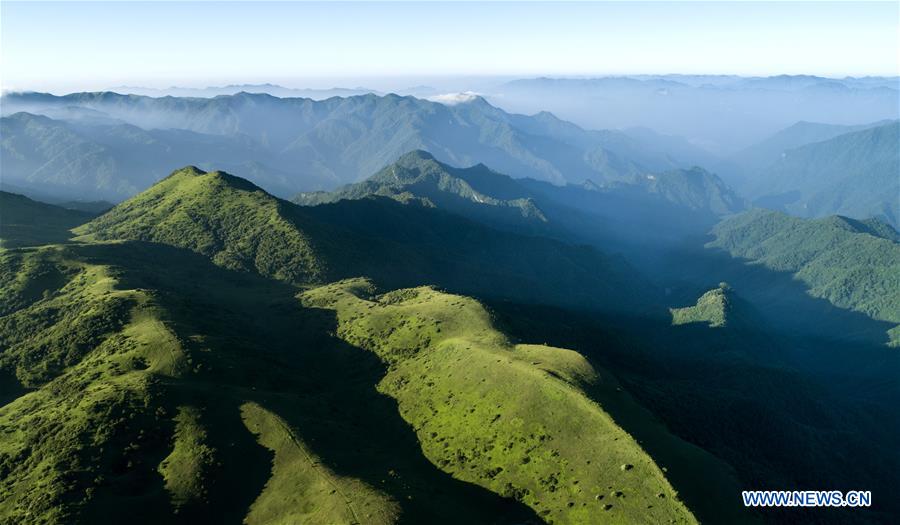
x,y
26,222
304,145
226,218
854,174
838,258
178,391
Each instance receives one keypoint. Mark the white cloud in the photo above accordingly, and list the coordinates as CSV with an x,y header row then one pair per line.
x,y
451,99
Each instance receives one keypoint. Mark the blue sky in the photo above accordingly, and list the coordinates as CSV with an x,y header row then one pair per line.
x,y
74,45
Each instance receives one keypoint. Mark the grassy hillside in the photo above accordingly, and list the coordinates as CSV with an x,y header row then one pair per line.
x,y
223,217
177,390
839,259
26,222
511,418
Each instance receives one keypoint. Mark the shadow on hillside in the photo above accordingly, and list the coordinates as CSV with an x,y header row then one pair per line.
x,y
249,339
781,299
779,426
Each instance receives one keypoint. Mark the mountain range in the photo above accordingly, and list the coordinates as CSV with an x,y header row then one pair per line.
x,y
90,146
588,212
294,144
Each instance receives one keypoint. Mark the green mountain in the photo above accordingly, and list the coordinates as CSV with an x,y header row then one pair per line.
x,y
155,377
854,174
584,213
223,217
853,264
288,145
26,222
477,192
241,227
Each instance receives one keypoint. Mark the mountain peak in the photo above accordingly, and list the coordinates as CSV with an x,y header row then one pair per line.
x,y
226,218
415,155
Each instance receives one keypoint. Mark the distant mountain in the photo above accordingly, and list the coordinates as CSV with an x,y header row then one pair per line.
x,y
477,192
722,114
63,160
852,264
586,212
771,150
298,144
24,222
695,189
853,174
232,89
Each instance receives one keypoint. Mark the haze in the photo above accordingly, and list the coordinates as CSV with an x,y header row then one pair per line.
x,y
388,45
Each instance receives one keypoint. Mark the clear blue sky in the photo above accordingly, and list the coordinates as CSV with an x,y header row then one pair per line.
x,y
74,45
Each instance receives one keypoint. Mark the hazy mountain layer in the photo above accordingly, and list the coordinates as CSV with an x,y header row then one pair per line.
x,y
771,150
296,144
854,174
720,113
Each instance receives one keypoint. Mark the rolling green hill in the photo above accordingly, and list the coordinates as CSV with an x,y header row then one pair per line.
x,y
454,378
854,174
178,378
852,264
